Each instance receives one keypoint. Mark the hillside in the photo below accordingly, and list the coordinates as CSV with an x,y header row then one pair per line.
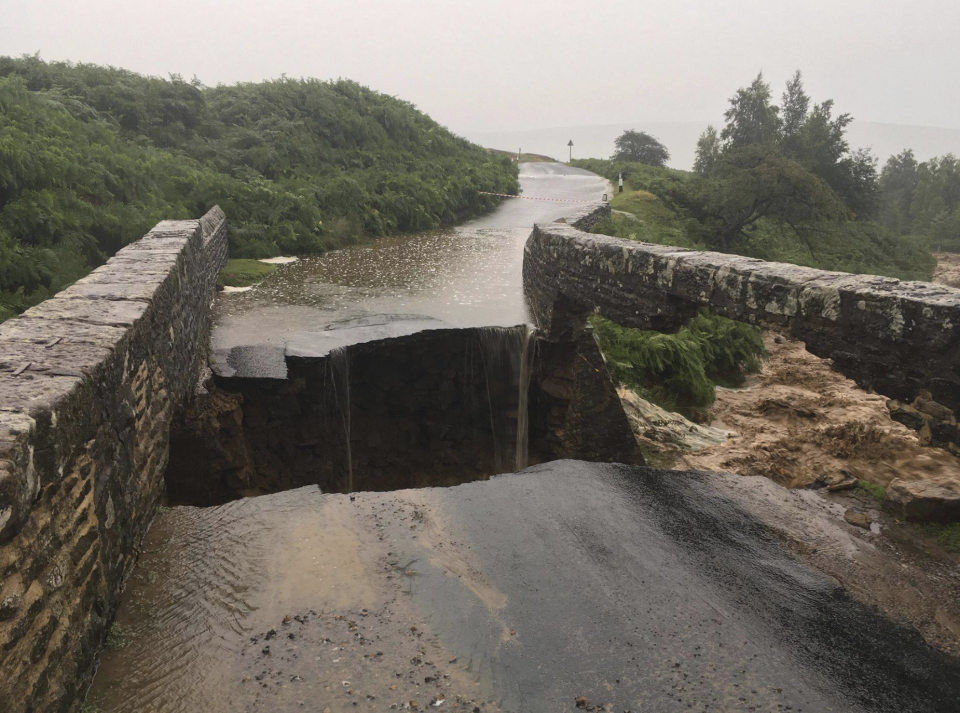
x,y
91,157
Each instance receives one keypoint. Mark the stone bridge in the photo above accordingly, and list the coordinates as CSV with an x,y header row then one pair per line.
x,y
900,339
90,382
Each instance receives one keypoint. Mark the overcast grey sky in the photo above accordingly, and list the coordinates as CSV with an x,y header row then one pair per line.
x,y
497,65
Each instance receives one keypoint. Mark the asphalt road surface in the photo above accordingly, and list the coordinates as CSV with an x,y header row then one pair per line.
x,y
635,589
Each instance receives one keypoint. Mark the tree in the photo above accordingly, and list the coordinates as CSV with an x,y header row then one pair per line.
x,y
752,183
937,194
794,106
709,148
751,118
640,147
945,231
898,182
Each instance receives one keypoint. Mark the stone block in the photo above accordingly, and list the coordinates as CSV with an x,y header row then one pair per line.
x,y
89,383
921,501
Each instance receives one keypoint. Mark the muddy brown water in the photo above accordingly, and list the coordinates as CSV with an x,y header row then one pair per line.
x,y
275,601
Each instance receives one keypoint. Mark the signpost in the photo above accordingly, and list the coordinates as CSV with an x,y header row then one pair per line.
x,y
620,180
570,144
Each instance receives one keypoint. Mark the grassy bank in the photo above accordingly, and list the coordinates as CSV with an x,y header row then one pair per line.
x,y
244,272
92,157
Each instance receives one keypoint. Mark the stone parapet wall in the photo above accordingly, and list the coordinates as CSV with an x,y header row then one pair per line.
x,y
897,338
90,381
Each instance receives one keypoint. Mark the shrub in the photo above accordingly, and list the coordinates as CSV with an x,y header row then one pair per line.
x,y
680,371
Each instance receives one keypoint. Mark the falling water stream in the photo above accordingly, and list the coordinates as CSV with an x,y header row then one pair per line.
x,y
527,354
506,355
339,366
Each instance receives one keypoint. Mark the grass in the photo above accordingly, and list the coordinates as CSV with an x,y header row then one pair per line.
x,y
878,492
650,220
243,273
948,536
645,206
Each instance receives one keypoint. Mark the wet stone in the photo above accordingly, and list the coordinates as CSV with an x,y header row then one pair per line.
x,y
858,518
922,501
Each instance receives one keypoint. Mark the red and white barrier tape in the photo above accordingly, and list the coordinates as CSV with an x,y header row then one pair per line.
x,y
537,198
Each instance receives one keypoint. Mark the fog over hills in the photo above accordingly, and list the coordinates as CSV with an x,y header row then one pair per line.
x,y
680,137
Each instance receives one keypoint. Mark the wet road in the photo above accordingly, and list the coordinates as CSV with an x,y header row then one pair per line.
x,y
637,589
468,276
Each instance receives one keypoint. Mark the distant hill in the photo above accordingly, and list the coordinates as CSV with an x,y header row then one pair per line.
x,y
680,138
524,157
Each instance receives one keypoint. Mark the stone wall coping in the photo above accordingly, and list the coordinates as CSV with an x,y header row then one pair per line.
x,y
56,355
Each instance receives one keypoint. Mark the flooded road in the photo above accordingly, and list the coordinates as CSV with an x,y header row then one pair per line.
x,y
638,589
467,276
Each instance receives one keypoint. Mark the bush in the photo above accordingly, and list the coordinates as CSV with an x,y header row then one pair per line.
x,y
680,371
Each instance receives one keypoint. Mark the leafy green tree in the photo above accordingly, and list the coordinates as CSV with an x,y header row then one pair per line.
x,y
937,194
923,198
824,150
898,183
752,184
794,108
751,119
640,147
944,231
709,149
811,136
